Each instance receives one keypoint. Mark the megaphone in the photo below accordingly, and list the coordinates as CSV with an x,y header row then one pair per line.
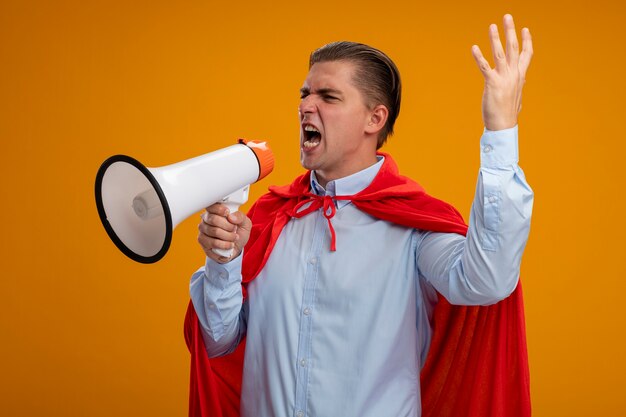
x,y
139,207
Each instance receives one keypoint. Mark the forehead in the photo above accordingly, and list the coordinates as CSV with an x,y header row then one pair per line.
x,y
337,75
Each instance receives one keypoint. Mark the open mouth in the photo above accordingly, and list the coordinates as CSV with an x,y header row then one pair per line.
x,y
312,137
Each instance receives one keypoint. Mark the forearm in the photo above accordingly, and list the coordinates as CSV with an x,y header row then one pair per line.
x,y
483,267
217,297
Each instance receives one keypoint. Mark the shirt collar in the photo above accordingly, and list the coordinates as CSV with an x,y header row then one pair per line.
x,y
350,185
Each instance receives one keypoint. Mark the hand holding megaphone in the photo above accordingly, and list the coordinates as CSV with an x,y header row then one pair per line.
x,y
139,206
223,232
231,204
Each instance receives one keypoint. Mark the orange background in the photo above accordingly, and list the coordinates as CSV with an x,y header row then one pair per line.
x,y
87,332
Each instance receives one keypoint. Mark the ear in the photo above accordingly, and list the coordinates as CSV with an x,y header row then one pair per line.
x,y
377,119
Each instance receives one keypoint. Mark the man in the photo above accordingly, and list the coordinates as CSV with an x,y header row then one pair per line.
x,y
353,257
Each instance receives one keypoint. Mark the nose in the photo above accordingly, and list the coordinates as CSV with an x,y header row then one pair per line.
x,y
307,105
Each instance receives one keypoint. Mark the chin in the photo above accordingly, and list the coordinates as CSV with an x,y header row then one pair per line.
x,y
307,165
306,161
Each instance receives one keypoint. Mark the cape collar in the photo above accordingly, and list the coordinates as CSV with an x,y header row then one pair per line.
x,y
387,183
349,185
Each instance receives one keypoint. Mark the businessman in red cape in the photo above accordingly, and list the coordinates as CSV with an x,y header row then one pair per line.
x,y
477,362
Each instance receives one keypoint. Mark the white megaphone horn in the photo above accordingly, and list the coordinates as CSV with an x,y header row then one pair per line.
x,y
140,207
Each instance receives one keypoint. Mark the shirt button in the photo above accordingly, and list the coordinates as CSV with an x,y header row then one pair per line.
x,y
222,275
212,306
300,414
492,199
303,362
313,261
307,311
487,148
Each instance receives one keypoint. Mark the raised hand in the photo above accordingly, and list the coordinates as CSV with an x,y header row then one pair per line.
x,y
502,96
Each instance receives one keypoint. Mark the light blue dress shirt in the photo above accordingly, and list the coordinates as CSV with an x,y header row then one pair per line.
x,y
346,333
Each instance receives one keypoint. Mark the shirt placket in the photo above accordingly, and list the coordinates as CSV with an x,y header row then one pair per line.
x,y
305,339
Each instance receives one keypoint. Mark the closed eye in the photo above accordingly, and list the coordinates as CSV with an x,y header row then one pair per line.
x,y
327,94
330,94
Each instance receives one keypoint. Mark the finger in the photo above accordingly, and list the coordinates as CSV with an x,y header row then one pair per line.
x,y
217,232
237,218
496,48
246,224
482,63
527,52
219,209
209,243
243,231
512,46
218,221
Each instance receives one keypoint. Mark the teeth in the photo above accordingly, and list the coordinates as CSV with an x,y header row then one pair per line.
x,y
311,143
314,139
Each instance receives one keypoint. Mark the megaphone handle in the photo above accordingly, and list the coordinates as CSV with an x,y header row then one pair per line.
x,y
227,253
233,201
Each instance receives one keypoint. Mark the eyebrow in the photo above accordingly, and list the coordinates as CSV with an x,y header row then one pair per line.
x,y
306,90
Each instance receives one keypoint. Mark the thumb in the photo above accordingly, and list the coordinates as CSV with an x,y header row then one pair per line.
x,y
236,218
241,220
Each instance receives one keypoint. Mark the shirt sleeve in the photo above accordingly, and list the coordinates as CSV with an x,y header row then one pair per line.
x,y
217,297
483,267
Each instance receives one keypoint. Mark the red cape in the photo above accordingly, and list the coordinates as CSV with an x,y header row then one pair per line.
x,y
477,365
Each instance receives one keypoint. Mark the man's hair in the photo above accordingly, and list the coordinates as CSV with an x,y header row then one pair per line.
x,y
376,76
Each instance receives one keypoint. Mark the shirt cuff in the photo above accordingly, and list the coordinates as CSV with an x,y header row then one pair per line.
x,y
498,148
221,275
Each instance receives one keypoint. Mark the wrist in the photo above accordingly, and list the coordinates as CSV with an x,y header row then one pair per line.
x,y
501,124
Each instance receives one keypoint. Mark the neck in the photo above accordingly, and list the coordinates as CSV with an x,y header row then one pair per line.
x,y
324,177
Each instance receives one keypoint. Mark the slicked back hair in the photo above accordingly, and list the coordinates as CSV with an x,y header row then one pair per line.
x,y
376,76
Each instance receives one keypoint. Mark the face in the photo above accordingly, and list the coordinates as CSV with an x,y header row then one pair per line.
x,y
335,123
